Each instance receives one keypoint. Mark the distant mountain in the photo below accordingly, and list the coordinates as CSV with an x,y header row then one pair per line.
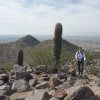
x,y
28,40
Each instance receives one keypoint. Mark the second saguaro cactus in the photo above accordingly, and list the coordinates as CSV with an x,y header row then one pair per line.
x,y
57,43
20,58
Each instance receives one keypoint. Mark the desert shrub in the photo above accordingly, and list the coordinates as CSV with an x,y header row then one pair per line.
x,y
91,55
93,70
44,56
8,66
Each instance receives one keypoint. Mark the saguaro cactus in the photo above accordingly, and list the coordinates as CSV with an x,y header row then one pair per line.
x,y
20,57
57,43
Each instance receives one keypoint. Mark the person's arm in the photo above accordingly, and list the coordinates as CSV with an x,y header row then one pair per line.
x,y
76,55
84,56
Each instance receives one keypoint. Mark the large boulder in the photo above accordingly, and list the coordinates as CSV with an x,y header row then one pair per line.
x,y
20,86
5,89
38,95
18,68
79,93
92,98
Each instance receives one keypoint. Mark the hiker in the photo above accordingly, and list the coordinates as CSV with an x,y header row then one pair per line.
x,y
80,58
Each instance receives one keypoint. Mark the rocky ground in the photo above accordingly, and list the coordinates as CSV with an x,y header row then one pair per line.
x,y
25,83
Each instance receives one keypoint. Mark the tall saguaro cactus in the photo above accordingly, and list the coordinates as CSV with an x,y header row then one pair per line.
x,y
20,57
57,43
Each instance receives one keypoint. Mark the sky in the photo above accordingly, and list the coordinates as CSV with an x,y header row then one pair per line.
x,y
78,17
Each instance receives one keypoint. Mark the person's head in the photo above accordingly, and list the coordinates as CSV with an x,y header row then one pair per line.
x,y
80,49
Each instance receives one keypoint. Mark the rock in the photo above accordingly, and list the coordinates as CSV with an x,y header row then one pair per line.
x,y
64,68
62,76
18,96
81,82
54,81
65,85
52,93
20,86
29,70
85,77
38,95
23,74
12,72
61,94
43,85
2,70
18,68
71,80
5,89
4,98
97,82
4,77
33,82
44,77
92,98
1,82
37,72
53,98
30,96
72,72
42,68
79,93
63,80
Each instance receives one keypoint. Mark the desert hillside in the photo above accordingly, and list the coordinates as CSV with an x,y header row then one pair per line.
x,y
32,49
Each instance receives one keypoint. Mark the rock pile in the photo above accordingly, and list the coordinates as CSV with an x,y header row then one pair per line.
x,y
23,83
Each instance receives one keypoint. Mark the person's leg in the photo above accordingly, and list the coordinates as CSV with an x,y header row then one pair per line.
x,y
78,64
82,67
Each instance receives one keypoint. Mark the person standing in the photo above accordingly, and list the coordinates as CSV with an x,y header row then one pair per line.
x,y
80,58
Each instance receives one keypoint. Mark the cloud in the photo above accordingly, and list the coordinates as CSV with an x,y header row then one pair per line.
x,y
40,16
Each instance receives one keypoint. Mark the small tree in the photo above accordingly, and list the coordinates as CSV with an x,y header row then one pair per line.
x,y
20,58
57,43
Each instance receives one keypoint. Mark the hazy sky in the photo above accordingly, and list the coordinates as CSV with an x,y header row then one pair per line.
x,y
78,17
